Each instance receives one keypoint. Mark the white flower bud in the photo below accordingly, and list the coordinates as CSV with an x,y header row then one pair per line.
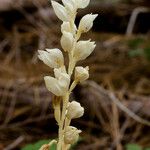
x,y
52,57
67,41
82,3
65,27
59,85
52,85
81,74
83,49
71,135
74,110
60,11
86,22
63,79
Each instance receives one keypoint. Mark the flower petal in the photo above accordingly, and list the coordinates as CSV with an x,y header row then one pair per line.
x,y
83,49
67,41
82,3
52,85
86,22
60,11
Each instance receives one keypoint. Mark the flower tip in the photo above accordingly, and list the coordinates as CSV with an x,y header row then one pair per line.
x,y
95,15
79,131
40,51
87,68
52,2
46,78
60,11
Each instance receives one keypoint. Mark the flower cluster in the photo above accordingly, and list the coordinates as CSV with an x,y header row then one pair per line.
x,y
60,85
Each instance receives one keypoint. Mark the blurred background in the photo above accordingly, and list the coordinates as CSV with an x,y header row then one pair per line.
x,y
117,96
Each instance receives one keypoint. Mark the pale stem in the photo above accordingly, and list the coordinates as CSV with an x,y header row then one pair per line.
x,y
57,114
72,64
67,122
52,142
61,125
73,85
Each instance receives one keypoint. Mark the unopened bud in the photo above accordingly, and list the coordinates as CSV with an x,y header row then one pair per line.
x,y
74,110
71,135
81,74
60,11
67,27
86,22
67,41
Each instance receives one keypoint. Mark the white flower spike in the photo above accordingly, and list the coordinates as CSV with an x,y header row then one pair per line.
x,y
74,110
67,41
83,49
60,11
81,74
86,22
82,3
61,85
52,57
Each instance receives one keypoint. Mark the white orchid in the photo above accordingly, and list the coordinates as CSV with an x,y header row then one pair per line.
x,y
86,22
83,49
60,11
52,57
81,74
74,110
71,135
58,85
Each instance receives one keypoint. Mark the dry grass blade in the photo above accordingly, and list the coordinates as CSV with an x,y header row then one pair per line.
x,y
121,106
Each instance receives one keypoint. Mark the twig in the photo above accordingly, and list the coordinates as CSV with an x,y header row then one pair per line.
x,y
27,121
113,98
133,18
116,128
11,109
3,44
126,110
15,143
41,44
15,53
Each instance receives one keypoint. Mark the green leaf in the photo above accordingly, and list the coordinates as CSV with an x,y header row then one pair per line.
x,y
135,52
38,144
133,147
147,52
135,42
28,147
147,149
